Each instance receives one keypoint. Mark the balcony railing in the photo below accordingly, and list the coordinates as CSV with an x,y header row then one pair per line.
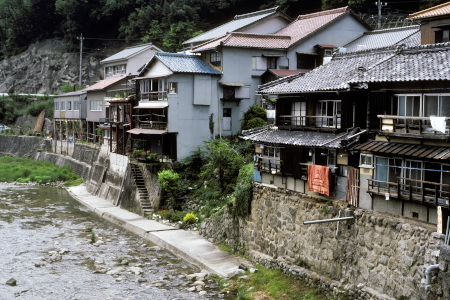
x,y
152,125
311,121
153,96
269,164
425,192
409,125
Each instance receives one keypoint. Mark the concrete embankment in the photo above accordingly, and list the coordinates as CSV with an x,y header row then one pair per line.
x,y
188,245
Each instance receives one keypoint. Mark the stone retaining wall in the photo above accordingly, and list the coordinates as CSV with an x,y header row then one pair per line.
x,y
377,254
23,146
443,275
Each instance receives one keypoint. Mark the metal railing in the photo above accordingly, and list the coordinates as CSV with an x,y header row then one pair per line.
x,y
408,124
153,96
311,121
432,193
152,125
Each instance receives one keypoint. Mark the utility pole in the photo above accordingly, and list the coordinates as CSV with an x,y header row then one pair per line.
x,y
380,5
81,38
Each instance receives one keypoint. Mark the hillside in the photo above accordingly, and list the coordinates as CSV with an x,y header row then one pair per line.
x,y
44,67
40,49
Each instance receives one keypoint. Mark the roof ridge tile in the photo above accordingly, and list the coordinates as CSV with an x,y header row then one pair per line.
x,y
324,13
256,13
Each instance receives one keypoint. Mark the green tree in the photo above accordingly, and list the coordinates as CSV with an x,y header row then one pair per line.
x,y
223,162
255,116
171,184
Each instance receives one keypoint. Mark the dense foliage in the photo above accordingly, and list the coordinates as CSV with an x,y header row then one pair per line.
x,y
13,105
27,170
166,23
255,116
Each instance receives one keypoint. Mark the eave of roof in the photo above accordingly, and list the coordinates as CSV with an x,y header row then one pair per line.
x,y
271,135
105,83
307,25
186,63
435,11
128,53
412,150
238,23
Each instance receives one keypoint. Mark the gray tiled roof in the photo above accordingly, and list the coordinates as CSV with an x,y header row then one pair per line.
x,y
423,63
334,75
239,22
385,38
297,138
129,52
185,63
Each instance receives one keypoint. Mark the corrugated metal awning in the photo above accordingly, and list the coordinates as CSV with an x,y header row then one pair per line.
x,y
399,149
146,131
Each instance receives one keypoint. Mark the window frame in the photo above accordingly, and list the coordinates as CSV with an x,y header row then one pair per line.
x,y
304,63
173,88
95,105
329,123
364,158
298,116
216,58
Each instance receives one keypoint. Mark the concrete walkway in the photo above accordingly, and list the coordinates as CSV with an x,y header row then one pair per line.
x,y
188,245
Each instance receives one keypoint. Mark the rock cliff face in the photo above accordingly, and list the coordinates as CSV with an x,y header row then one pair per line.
x,y
44,67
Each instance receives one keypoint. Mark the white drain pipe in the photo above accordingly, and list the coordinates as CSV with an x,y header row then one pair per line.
x,y
428,272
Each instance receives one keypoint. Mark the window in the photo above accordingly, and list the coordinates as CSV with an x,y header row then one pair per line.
x,y
153,89
437,105
173,87
442,35
387,169
332,160
413,170
115,70
62,106
327,52
331,112
365,160
69,105
306,61
76,105
407,105
298,114
270,159
56,105
264,62
96,105
272,62
229,92
216,59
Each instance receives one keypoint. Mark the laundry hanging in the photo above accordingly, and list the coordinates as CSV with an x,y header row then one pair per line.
x,y
319,179
438,123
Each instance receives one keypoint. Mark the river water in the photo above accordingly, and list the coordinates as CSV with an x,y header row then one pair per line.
x,y
57,249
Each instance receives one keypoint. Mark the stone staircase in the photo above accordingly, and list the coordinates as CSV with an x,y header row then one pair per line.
x,y
142,192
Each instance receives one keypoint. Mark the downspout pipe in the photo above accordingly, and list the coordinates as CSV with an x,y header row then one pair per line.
x,y
428,273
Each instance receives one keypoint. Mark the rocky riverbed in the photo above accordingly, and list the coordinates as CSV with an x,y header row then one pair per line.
x,y
53,248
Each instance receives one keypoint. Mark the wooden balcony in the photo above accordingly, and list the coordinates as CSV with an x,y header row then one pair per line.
x,y
267,164
419,191
296,122
153,96
157,125
414,126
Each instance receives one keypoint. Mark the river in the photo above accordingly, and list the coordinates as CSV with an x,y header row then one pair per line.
x,y
57,249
